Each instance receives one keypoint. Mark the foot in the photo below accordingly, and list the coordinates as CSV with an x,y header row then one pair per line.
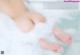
x,y
24,23
66,38
53,47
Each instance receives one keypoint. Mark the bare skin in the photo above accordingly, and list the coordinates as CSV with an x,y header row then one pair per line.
x,y
28,21
63,36
7,8
55,47
66,38
25,20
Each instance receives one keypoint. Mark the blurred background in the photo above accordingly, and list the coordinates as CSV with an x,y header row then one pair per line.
x,y
66,13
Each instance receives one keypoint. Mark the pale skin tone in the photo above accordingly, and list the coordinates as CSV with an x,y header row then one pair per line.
x,y
25,21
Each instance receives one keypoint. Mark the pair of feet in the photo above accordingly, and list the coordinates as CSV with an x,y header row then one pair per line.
x,y
56,47
27,21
